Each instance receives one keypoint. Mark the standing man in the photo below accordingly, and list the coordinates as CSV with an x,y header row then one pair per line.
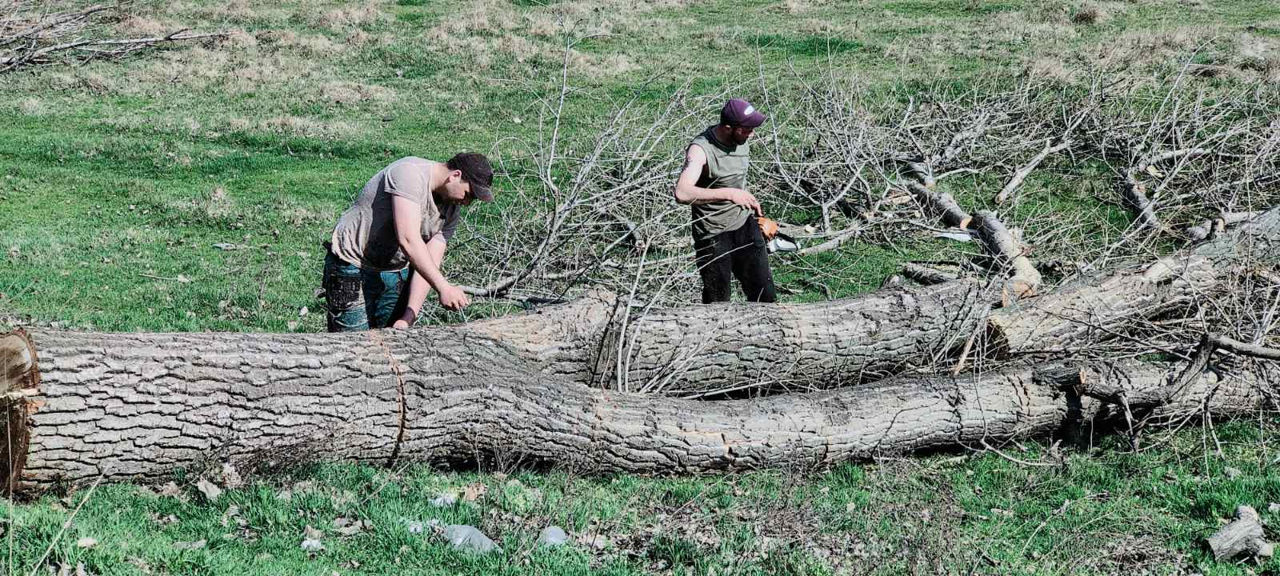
x,y
726,232
395,234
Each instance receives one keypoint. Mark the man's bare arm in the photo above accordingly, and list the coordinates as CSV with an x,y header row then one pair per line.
x,y
418,286
688,192
408,220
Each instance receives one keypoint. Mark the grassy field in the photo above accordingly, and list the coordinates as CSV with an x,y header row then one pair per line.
x,y
119,179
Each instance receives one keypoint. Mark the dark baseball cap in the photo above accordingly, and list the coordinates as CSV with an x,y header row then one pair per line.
x,y
739,112
476,171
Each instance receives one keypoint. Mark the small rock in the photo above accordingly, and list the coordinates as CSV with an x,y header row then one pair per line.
x,y
1273,508
209,489
445,500
1231,472
226,246
198,544
553,536
468,538
86,542
414,526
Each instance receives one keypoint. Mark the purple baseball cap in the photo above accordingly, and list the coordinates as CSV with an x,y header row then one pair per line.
x,y
739,112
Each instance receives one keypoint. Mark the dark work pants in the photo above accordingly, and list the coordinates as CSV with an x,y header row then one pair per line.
x,y
739,252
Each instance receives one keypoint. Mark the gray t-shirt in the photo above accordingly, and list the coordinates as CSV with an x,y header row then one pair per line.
x,y
366,233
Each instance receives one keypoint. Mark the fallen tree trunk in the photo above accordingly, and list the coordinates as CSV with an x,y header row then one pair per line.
x,y
1081,313
124,407
709,350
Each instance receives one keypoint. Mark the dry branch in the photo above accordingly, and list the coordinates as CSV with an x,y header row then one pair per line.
x,y
940,205
41,42
1009,254
1018,177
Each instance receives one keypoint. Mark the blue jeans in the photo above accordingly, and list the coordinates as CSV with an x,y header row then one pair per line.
x,y
359,299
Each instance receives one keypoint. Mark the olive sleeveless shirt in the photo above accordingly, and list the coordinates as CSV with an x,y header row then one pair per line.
x,y
726,167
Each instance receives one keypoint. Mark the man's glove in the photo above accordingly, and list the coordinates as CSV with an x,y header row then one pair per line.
x,y
769,228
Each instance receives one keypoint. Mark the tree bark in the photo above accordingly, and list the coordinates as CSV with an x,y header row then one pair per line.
x,y
1078,314
711,350
126,407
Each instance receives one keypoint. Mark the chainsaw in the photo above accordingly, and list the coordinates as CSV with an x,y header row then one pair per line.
x,y
778,242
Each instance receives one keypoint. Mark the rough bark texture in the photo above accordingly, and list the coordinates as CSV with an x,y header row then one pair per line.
x,y
691,352
1243,535
1134,195
135,406
940,205
1009,254
125,406
1094,308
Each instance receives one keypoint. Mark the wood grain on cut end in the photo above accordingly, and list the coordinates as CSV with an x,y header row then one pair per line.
x,y
19,381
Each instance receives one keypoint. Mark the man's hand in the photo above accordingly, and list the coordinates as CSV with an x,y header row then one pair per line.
x,y
744,198
406,319
453,298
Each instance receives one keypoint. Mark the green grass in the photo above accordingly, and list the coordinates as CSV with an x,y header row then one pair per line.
x,y
117,180
1098,512
269,123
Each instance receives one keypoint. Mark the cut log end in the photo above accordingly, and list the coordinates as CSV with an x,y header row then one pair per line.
x,y
19,381
1244,535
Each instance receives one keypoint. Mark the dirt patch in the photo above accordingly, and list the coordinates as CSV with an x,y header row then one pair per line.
x,y
32,107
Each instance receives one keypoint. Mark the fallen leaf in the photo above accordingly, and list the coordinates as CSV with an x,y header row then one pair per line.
x,y
209,489
593,540
474,491
303,312
231,477
311,545
348,527
312,533
86,542
226,246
